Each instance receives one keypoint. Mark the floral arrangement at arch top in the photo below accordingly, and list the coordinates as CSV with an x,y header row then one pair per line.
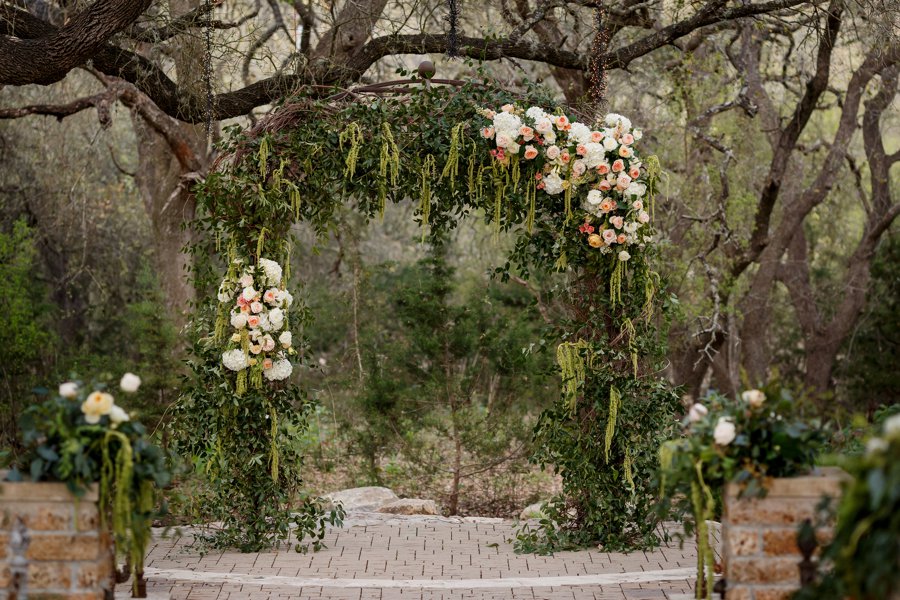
x,y
570,156
259,343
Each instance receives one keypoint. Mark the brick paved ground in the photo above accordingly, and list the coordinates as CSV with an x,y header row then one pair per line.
x,y
416,557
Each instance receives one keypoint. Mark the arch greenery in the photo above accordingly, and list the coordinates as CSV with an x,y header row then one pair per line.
x,y
424,143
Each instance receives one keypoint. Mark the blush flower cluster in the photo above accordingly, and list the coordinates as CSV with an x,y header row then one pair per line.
x,y
572,156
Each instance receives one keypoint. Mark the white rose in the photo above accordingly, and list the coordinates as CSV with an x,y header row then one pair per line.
x,y
892,427
550,137
638,134
130,382
246,280
697,413
118,415
68,389
285,339
595,197
623,256
552,152
876,445
503,140
754,398
238,320
725,431
249,293
610,144
276,318
543,125
513,148
631,227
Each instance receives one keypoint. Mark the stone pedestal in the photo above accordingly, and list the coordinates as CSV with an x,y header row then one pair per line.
x,y
761,555
67,556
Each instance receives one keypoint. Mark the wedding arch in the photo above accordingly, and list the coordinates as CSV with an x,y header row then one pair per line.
x,y
576,197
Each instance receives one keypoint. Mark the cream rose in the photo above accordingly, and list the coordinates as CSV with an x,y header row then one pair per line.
x,y
95,406
725,431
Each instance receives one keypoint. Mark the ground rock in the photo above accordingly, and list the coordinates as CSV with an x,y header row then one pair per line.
x,y
534,511
410,506
362,498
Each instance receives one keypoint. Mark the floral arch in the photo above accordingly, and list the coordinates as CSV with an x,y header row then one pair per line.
x,y
576,198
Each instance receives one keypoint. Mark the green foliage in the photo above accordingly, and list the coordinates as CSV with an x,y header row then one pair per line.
x,y
26,335
63,445
602,434
865,551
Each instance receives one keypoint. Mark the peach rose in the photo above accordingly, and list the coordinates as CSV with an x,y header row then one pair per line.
x,y
638,205
581,150
621,238
267,364
530,152
565,156
618,165
603,168
253,321
489,114
269,296
596,136
526,132
634,172
628,139
643,217
255,348
562,121
606,205
508,108
487,132
623,182
604,186
245,308
625,151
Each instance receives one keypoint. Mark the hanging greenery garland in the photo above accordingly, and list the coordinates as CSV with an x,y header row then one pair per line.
x,y
571,195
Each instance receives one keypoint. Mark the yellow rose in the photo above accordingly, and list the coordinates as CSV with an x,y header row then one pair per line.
x,y
595,241
95,406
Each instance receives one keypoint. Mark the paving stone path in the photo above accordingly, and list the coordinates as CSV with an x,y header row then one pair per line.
x,y
382,557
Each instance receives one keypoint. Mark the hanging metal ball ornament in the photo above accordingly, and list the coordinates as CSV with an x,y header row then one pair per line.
x,y
426,69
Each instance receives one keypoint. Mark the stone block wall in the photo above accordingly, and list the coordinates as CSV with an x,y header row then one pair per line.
x,y
761,555
68,558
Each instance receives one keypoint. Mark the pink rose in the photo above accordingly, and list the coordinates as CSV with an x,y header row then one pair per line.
x,y
618,165
643,217
578,168
604,186
503,140
609,236
628,139
638,205
268,344
623,182
270,296
617,222
553,152
530,152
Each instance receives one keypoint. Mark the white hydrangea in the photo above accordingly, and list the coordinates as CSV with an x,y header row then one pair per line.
x,y
272,271
234,360
553,183
264,323
636,189
892,427
631,227
596,154
276,318
507,124
225,291
580,132
281,369
284,298
535,113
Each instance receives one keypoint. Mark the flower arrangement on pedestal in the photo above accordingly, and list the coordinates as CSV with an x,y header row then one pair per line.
x,y
743,441
82,438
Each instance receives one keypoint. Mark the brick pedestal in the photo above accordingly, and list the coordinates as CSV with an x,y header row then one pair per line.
x,y
68,557
761,555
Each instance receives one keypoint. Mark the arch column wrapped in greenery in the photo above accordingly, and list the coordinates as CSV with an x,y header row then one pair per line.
x,y
571,197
